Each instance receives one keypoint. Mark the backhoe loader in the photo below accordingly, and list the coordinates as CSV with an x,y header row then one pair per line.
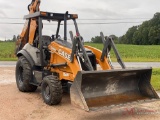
x,y
58,65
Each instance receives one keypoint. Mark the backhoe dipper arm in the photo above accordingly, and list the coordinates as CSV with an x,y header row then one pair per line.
x,y
30,26
34,6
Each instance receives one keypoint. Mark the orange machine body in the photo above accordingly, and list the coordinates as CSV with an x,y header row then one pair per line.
x,y
61,54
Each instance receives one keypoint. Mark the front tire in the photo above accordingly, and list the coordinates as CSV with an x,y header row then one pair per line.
x,y
24,75
51,90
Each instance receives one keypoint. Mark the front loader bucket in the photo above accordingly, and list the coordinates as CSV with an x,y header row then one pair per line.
x,y
93,90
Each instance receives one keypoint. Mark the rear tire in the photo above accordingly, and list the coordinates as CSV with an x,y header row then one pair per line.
x,y
51,90
24,75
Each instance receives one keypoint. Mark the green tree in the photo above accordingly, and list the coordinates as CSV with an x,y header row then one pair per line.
x,y
130,33
115,38
14,38
96,39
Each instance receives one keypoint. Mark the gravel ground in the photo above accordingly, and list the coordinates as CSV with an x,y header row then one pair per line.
x,y
16,105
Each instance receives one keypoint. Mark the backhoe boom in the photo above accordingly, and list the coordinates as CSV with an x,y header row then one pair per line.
x,y
29,30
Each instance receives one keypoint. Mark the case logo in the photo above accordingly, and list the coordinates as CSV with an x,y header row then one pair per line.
x,y
64,54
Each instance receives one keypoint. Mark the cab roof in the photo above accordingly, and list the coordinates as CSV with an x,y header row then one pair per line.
x,y
51,16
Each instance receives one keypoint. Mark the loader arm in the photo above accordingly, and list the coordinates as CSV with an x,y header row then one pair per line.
x,y
30,26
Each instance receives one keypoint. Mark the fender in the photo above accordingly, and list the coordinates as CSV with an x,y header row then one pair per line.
x,y
27,56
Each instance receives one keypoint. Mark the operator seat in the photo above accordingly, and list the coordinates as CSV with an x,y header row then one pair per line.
x,y
46,40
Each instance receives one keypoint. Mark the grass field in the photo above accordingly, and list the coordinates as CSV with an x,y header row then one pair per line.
x,y
7,51
134,53
155,80
129,53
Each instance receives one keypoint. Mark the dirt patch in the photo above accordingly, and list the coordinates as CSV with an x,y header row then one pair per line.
x,y
7,75
16,105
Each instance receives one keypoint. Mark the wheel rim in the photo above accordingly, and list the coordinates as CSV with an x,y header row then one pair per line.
x,y
47,92
20,77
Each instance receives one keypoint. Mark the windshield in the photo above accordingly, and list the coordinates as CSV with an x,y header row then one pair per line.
x,y
50,28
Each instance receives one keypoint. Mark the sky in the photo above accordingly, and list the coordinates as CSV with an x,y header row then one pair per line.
x,y
118,15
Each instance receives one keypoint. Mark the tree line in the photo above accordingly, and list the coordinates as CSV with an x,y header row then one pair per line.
x,y
98,39
10,40
148,33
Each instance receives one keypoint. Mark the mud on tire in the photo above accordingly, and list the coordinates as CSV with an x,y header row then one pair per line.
x,y
51,90
24,75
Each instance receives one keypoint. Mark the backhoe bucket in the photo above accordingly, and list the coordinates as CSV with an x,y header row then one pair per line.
x,y
93,90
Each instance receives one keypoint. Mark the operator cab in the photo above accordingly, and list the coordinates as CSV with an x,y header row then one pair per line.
x,y
42,41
